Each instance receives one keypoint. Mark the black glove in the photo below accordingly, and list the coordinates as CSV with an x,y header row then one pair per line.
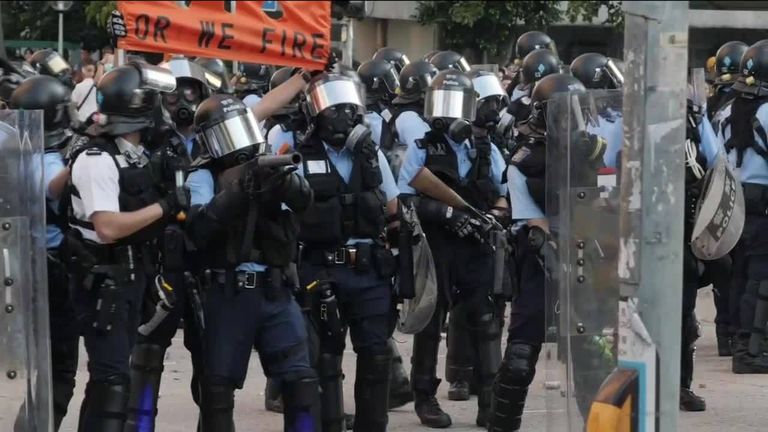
x,y
176,202
116,27
462,224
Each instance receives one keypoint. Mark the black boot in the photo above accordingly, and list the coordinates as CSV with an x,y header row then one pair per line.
x,y
743,362
146,372
459,391
272,399
400,392
724,341
484,400
372,390
105,406
690,401
217,404
426,405
302,405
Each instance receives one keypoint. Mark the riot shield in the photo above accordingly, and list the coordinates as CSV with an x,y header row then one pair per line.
x,y
25,403
582,292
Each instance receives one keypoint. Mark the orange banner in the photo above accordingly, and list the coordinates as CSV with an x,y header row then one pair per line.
x,y
288,33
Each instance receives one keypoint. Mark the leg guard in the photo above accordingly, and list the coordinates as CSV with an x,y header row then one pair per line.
x,y
488,340
424,359
371,390
756,344
688,339
146,371
63,388
302,405
273,396
105,405
332,392
217,403
399,385
460,358
511,387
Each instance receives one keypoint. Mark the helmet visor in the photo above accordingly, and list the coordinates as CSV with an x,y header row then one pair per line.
x,y
327,93
488,85
614,74
56,63
156,78
456,104
233,134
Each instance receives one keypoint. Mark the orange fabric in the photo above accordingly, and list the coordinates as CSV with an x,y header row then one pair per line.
x,y
289,33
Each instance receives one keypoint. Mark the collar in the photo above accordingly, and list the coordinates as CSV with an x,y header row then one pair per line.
x,y
339,152
454,144
134,155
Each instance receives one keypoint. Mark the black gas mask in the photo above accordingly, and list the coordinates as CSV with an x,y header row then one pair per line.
x,y
488,109
334,123
182,103
457,130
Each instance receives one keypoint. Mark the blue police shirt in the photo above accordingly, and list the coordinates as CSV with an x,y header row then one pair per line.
x,y
410,127
53,164
610,127
518,92
277,137
415,158
201,188
374,122
754,168
710,146
520,200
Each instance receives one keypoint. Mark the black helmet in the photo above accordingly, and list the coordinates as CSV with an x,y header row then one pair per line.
x,y
753,71
727,61
597,71
451,103
533,40
538,64
449,60
193,85
49,62
336,105
50,95
428,56
391,55
414,81
546,89
228,130
8,84
253,78
219,70
130,94
381,80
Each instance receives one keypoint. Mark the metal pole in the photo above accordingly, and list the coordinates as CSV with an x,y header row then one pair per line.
x,y
652,187
61,33
349,50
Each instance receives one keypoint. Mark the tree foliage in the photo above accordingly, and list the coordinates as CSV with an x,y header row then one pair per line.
x,y
588,11
35,20
97,12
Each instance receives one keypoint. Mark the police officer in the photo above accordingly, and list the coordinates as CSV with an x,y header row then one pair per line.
x,y
471,167
725,73
597,71
382,84
345,264
247,240
219,70
50,95
408,107
449,60
49,62
391,55
524,45
252,82
743,133
172,154
117,213
526,177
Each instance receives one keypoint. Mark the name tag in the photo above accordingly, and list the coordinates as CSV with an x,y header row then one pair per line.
x,y
317,167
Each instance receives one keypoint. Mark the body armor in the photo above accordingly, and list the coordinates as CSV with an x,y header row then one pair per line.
x,y
530,157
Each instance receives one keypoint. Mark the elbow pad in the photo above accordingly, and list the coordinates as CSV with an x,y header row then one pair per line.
x,y
431,210
296,193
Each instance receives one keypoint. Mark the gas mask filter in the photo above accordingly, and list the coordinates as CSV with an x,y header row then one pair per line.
x,y
335,123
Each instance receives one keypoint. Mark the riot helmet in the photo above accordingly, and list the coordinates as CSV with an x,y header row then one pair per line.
x,y
192,87
253,78
48,94
8,84
545,90
538,64
753,79
228,130
597,71
491,99
414,81
130,95
533,40
428,56
391,55
49,62
728,60
382,83
336,105
449,60
450,104
218,74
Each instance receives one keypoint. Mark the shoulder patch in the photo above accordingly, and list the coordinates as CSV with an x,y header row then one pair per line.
x,y
521,154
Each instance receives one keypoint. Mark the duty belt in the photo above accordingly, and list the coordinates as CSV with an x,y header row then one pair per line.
x,y
241,279
755,199
344,256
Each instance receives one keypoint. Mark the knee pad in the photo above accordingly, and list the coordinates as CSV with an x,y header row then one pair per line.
x,y
106,404
148,358
691,330
329,365
301,393
519,365
217,394
373,365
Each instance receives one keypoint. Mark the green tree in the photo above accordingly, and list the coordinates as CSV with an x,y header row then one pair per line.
x,y
97,12
491,27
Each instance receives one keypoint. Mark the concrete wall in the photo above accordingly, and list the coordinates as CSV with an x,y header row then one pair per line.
x,y
412,38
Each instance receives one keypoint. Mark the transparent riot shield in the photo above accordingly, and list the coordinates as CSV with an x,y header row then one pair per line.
x,y
25,403
582,292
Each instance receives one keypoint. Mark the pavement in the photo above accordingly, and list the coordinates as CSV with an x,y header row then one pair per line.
x,y
734,402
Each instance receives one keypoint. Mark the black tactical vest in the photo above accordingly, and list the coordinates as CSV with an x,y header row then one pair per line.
x,y
341,210
477,188
530,157
138,189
